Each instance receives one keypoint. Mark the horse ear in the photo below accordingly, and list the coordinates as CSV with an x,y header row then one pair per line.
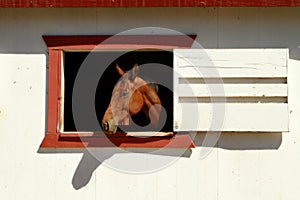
x,y
119,70
134,72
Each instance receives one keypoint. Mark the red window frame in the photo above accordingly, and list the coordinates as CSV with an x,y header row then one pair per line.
x,y
56,46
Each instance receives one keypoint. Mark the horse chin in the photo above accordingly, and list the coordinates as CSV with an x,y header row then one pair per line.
x,y
113,130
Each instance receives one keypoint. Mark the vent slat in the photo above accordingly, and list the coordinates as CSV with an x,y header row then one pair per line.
x,y
237,117
231,90
232,58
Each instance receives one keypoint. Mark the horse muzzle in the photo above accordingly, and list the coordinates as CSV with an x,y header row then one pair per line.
x,y
109,127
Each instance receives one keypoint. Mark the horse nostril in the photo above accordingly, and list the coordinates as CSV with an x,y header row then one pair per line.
x,y
106,126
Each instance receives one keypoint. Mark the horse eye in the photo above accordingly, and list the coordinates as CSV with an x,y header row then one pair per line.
x,y
124,94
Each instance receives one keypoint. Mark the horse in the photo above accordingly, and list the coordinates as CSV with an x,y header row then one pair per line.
x,y
130,95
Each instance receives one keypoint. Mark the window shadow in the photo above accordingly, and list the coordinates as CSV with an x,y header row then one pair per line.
x,y
244,140
92,158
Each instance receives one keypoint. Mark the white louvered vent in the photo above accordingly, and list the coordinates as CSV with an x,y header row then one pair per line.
x,y
230,90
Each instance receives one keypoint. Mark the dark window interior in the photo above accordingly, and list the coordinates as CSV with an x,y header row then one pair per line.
x,y
74,60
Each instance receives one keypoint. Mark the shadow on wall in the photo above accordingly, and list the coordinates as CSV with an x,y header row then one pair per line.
x,y
245,140
294,53
94,157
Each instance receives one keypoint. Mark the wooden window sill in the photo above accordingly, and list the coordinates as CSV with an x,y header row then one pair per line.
x,y
120,140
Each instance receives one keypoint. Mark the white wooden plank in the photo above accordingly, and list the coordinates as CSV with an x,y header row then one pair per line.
x,y
231,90
234,72
211,63
246,58
269,117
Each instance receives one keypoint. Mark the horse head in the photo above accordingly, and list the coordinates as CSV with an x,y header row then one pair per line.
x,y
130,95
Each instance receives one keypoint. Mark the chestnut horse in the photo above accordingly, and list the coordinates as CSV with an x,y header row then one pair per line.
x,y
130,95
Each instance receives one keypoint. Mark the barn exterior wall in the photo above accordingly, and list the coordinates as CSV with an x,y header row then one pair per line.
x,y
241,166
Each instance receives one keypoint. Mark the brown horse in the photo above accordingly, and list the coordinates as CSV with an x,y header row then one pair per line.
x,y
130,95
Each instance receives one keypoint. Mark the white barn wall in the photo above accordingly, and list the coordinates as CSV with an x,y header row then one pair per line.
x,y
242,166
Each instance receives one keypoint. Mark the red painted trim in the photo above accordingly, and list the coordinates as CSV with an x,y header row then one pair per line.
x,y
57,44
119,42
143,3
54,140
53,89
